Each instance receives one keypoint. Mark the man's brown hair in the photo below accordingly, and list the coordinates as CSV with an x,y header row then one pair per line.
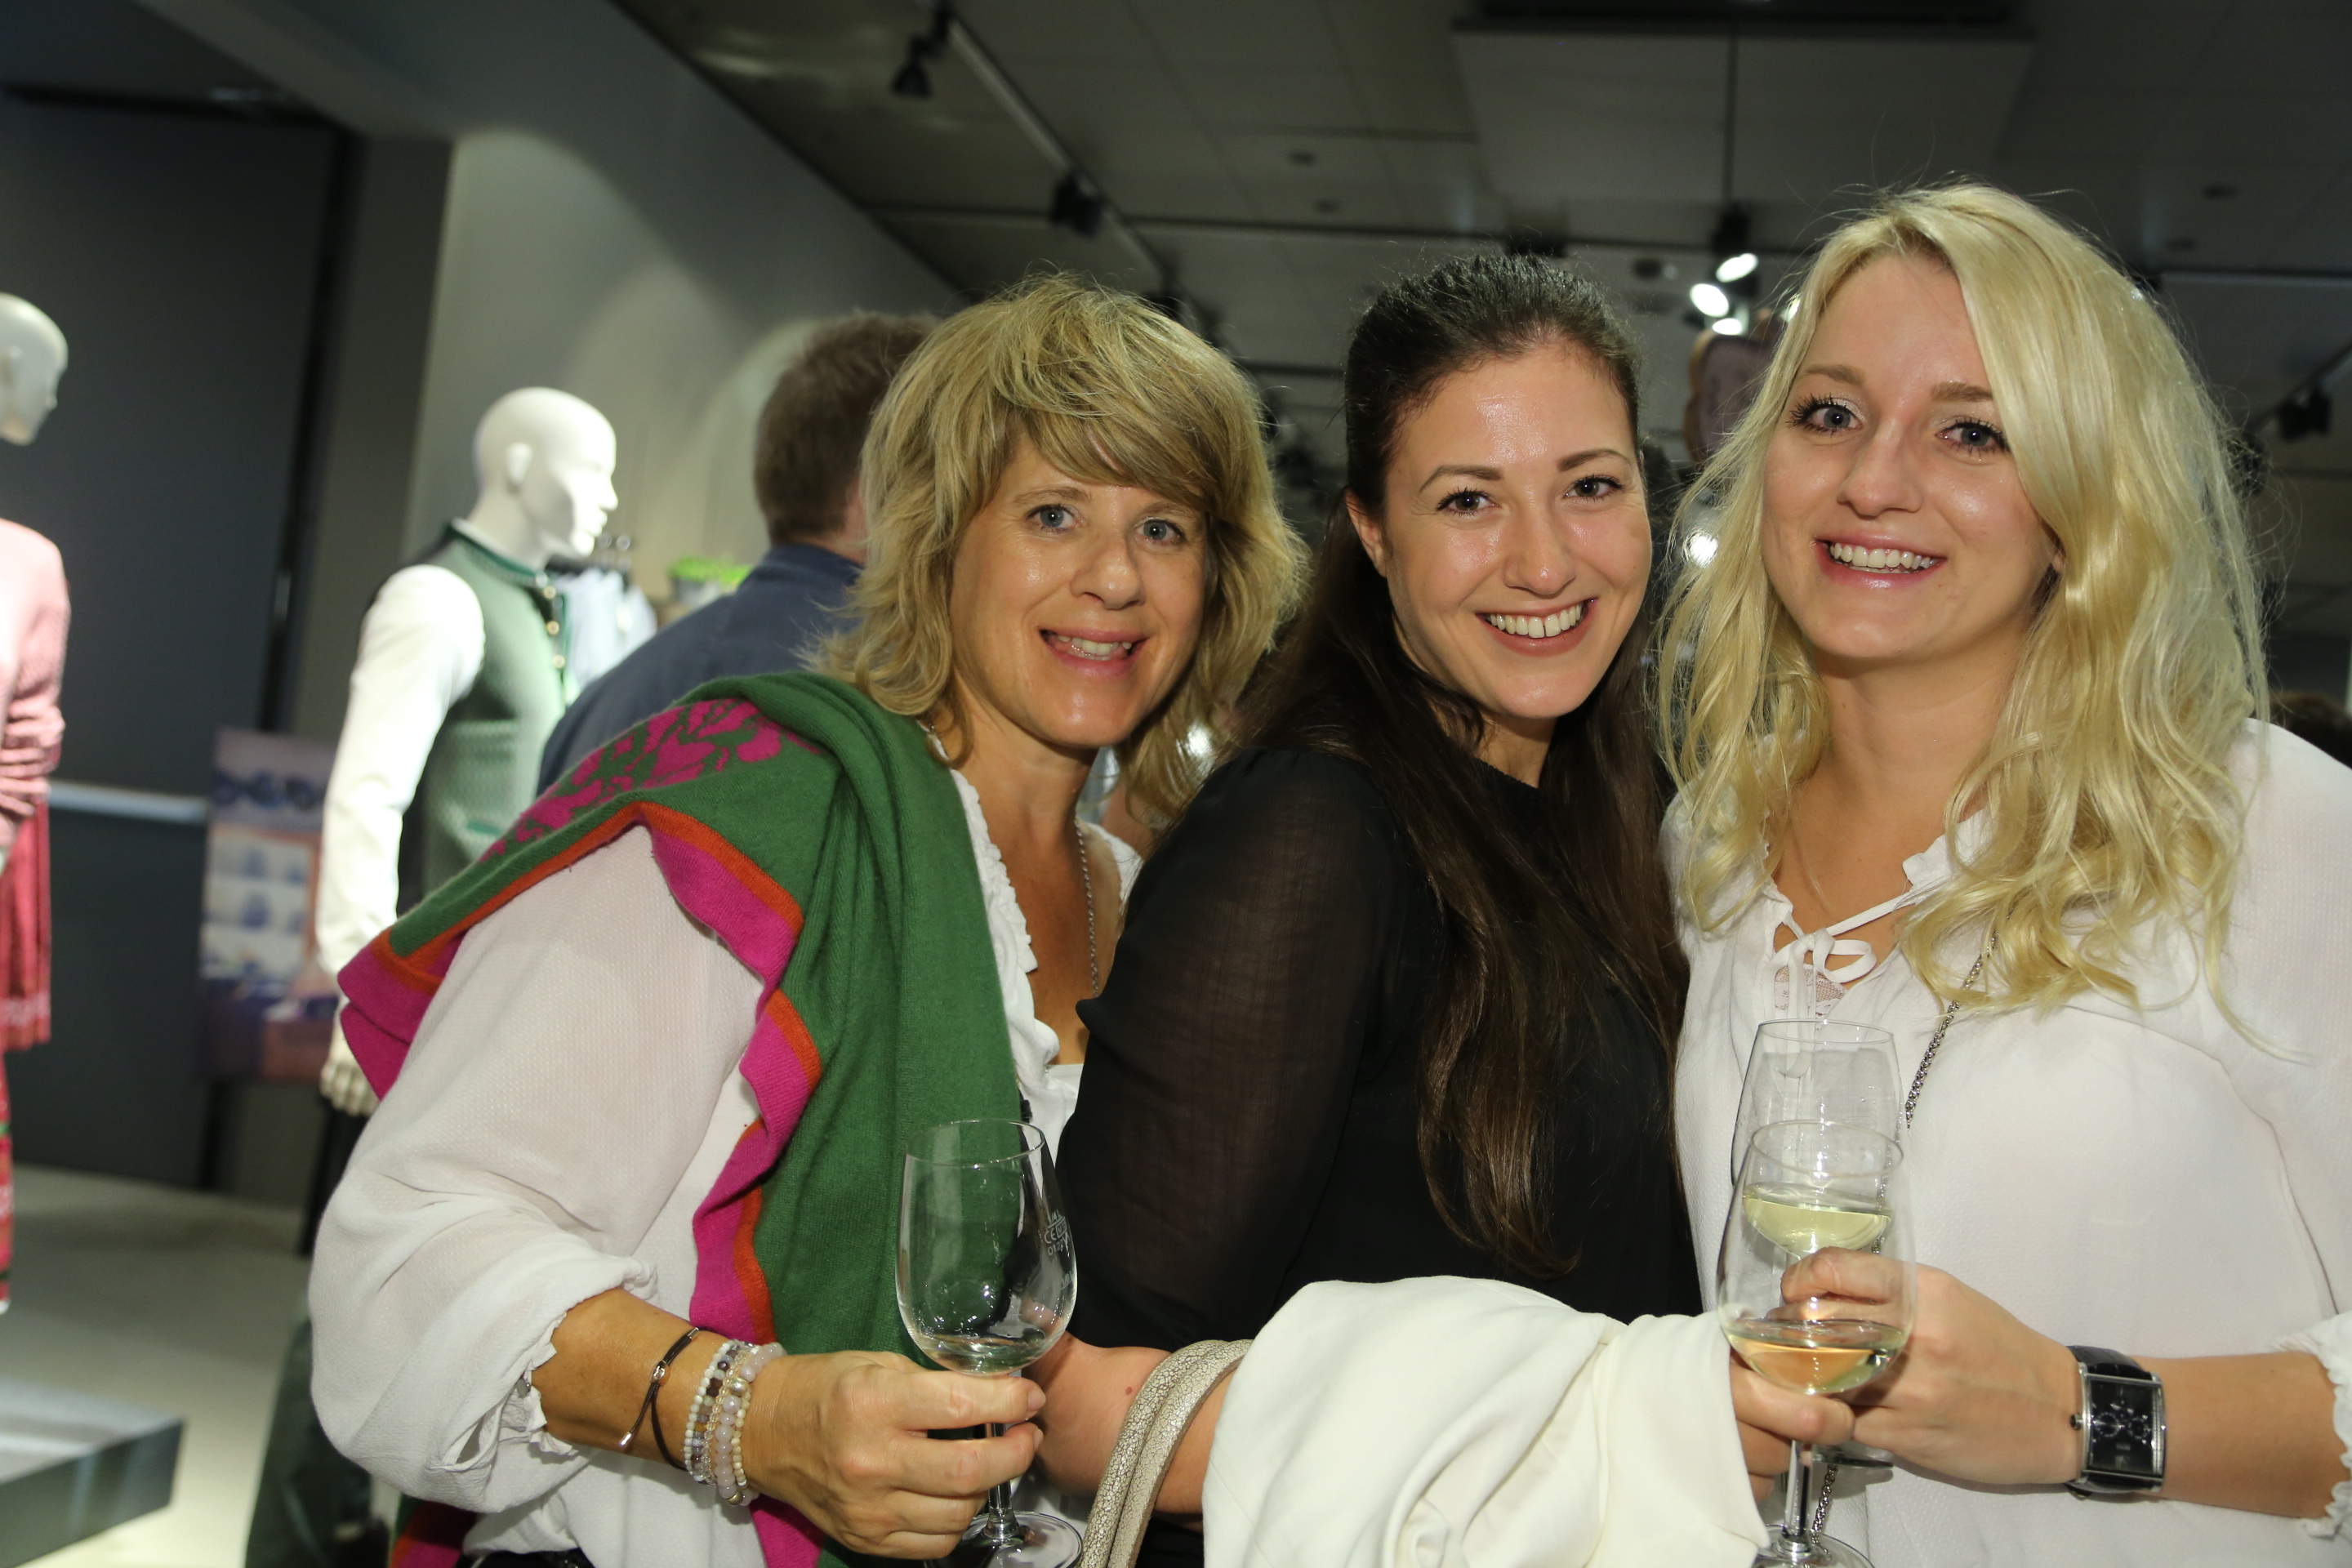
x,y
814,422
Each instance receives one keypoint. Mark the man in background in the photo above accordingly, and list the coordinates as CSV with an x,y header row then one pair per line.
x,y
805,471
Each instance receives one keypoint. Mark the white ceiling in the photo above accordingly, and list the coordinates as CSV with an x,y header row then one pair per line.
x,y
1281,157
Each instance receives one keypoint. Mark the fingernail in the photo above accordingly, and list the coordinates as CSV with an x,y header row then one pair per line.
x,y
1036,1399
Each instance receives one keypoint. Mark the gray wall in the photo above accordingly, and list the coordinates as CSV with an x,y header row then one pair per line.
x,y
613,227
179,255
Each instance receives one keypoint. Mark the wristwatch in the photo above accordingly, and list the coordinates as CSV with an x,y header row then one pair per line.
x,y
2122,1422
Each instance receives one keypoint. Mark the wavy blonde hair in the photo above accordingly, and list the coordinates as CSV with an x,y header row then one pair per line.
x,y
1111,391
2106,784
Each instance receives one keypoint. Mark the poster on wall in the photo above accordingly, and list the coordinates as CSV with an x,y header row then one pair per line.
x,y
269,1004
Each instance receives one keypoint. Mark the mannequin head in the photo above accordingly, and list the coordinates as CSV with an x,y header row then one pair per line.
x,y
32,358
544,460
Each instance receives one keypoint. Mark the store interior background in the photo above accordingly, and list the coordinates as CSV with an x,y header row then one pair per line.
x,y
300,246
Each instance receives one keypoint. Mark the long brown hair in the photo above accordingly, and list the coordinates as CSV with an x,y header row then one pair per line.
x,y
1553,943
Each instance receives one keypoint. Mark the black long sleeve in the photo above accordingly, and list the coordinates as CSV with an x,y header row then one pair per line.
x,y
1249,1123
1222,1052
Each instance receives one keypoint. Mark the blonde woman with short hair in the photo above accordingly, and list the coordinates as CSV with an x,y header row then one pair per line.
x,y
634,1192
1966,714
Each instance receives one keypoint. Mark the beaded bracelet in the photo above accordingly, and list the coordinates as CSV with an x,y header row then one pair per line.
x,y
734,1406
697,1447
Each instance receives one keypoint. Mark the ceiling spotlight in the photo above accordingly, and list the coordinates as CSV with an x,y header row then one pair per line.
x,y
1711,300
1732,269
1075,207
1729,326
2308,412
913,80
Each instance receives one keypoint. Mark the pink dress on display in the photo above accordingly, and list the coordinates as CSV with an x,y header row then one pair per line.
x,y
33,615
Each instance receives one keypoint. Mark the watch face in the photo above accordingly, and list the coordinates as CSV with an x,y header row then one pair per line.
x,y
2122,1434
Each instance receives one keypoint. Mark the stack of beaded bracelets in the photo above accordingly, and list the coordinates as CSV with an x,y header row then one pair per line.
x,y
714,1422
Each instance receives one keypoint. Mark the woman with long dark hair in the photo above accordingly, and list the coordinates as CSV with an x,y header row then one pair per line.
x,y
1396,996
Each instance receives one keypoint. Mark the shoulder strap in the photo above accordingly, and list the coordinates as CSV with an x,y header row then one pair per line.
x,y
1156,1423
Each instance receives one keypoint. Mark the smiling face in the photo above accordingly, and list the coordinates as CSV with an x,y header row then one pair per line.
x,y
1075,606
1515,540
1896,532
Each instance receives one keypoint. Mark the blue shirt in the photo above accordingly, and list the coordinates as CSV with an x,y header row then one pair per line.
x,y
772,622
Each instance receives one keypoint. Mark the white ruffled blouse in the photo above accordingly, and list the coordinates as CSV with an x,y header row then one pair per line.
x,y
2145,1178
473,1216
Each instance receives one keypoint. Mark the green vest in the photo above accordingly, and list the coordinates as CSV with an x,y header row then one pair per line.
x,y
484,765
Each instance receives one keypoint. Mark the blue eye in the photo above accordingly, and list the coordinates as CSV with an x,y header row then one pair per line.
x,y
1976,436
1823,415
1159,530
1053,515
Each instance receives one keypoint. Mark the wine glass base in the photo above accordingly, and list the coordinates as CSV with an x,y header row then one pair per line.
x,y
1818,1551
1035,1541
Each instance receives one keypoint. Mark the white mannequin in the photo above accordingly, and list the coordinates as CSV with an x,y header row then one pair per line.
x,y
544,460
32,358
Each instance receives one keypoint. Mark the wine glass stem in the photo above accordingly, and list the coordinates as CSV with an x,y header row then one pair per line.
x,y
999,1527
1800,1494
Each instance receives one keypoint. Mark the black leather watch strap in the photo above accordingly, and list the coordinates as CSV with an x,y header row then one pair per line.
x,y
2122,1422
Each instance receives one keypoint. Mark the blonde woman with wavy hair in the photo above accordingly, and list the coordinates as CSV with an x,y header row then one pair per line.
x,y
659,1054
1967,716
1106,390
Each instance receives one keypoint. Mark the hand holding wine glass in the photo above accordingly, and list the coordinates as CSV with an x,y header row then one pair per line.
x,y
1806,1186
987,1279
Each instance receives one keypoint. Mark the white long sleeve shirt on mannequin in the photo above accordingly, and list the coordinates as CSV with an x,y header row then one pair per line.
x,y
2146,1179
514,1172
420,651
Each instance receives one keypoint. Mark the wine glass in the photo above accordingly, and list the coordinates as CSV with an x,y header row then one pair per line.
x,y
1811,1069
986,1282
1805,1187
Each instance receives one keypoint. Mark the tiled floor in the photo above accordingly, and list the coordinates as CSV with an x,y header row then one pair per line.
x,y
174,1299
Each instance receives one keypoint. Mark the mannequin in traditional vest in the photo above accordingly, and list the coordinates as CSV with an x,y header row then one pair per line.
x,y
461,675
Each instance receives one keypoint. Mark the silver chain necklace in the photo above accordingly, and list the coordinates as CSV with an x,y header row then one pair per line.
x,y
1829,1461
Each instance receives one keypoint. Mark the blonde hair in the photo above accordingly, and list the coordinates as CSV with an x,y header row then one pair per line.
x,y
2106,784
1108,390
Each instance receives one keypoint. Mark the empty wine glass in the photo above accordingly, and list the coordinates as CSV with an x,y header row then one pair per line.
x,y
1806,1188
986,1282
1812,1069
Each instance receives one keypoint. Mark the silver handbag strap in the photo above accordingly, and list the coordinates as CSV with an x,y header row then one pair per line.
x,y
1156,1423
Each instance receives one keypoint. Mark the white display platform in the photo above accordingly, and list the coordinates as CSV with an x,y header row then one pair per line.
x,y
73,1464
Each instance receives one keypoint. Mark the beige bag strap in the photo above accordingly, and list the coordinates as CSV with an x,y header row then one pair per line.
x,y
1163,1409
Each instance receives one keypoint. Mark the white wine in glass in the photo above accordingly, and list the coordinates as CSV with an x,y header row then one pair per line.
x,y
1813,1189
987,1278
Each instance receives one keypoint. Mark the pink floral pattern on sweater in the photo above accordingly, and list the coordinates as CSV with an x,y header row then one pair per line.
x,y
671,747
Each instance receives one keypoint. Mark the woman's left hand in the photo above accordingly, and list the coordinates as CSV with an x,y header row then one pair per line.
x,y
1975,1395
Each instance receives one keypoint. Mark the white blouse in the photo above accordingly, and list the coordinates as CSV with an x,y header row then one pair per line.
x,y
2147,1178
515,1170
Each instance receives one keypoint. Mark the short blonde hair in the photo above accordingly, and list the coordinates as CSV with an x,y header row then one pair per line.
x,y
1108,390
2106,784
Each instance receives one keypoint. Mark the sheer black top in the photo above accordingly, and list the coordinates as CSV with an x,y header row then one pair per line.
x,y
1249,1121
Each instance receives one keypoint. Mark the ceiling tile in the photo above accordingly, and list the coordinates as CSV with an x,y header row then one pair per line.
x,y
1826,114
1590,116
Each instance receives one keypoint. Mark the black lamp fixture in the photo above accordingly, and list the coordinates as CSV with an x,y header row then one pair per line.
x,y
1075,207
2309,412
914,78
1727,297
